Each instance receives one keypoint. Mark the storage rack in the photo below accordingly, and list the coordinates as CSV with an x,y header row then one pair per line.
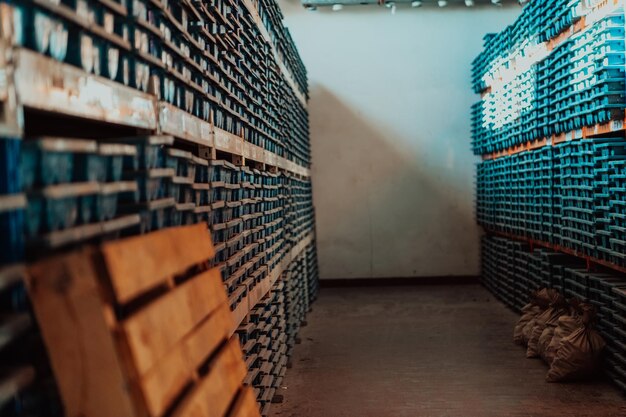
x,y
141,115
550,187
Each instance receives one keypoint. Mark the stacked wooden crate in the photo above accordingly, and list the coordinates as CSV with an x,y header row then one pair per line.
x,y
125,118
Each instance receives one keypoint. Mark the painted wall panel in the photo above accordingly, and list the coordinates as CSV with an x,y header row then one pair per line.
x,y
390,129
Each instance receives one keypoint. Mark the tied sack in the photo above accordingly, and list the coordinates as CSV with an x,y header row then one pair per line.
x,y
529,312
544,340
548,318
541,299
565,327
578,355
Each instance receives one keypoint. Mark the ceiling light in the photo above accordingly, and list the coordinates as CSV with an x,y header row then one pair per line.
x,y
469,3
337,7
416,3
444,3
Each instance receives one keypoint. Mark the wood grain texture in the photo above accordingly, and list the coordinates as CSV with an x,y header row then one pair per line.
x,y
138,264
67,302
164,382
156,329
245,405
214,394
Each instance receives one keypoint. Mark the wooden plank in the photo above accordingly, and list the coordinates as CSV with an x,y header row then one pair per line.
x,y
68,305
215,393
193,244
157,328
208,334
164,382
138,264
181,124
45,84
245,405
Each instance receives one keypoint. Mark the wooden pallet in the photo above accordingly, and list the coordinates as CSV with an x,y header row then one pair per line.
x,y
140,327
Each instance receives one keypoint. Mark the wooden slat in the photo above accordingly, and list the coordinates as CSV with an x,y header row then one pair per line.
x,y
245,405
69,309
138,264
156,329
208,334
164,382
262,288
193,244
215,393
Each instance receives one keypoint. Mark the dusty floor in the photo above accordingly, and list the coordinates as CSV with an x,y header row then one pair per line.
x,y
424,351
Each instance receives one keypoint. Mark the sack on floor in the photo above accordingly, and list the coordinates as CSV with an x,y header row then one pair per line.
x,y
578,354
550,317
554,332
565,327
544,340
529,312
540,301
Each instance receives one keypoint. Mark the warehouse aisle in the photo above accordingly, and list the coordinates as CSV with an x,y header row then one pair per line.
x,y
424,351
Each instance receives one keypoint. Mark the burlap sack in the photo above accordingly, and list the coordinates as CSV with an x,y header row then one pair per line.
x,y
529,312
550,317
528,330
565,327
541,300
578,356
544,341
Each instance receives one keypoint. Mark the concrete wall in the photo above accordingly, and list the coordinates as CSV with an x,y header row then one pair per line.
x,y
390,128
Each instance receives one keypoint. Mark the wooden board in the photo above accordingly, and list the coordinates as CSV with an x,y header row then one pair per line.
x,y
155,329
214,394
67,302
163,383
140,263
245,405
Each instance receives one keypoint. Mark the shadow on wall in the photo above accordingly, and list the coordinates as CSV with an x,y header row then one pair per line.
x,y
384,208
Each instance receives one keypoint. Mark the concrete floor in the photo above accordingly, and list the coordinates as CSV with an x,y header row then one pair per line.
x,y
425,351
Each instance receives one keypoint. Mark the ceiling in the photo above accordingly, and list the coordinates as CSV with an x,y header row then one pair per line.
x,y
337,4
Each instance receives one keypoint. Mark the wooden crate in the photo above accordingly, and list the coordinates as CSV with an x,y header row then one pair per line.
x,y
140,327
